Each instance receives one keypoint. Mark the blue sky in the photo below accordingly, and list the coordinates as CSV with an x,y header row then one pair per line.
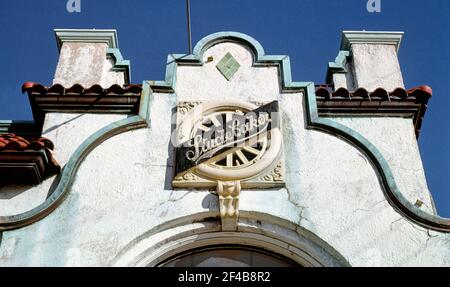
x,y
308,31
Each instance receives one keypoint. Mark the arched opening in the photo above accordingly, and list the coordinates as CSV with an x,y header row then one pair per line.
x,y
228,256
265,241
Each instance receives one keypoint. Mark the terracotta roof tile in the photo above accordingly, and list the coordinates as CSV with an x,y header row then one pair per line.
x,y
419,94
411,102
12,142
77,89
94,99
26,160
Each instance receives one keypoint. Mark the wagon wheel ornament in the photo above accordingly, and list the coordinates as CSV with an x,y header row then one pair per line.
x,y
241,156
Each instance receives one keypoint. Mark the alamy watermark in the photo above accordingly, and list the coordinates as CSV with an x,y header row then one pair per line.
x,y
373,6
73,6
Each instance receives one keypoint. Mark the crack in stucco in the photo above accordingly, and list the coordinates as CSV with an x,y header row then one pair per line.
x,y
371,208
395,221
426,231
301,207
430,237
384,200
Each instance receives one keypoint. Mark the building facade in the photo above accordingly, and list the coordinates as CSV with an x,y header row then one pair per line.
x,y
227,162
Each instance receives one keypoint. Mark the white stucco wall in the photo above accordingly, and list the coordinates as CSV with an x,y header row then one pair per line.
x,y
376,66
401,151
67,132
123,188
207,83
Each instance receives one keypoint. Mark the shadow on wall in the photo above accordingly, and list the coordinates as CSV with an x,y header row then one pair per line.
x,y
170,163
211,202
11,191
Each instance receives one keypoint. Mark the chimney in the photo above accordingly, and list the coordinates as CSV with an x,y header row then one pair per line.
x,y
89,57
367,60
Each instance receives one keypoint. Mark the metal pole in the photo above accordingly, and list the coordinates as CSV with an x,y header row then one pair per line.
x,y
188,11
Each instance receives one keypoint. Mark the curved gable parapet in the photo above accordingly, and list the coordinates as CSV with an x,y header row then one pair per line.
x,y
391,190
259,59
387,181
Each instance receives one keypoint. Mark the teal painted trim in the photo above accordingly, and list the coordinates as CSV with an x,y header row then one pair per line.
x,y
371,37
392,193
67,176
210,40
339,62
107,36
146,101
120,65
338,66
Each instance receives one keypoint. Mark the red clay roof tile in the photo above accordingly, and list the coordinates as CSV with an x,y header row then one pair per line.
x,y
12,142
79,99
78,89
26,160
399,101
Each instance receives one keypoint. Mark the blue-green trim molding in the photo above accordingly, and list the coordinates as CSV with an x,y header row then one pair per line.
x,y
338,66
66,178
371,37
120,65
145,102
387,181
107,36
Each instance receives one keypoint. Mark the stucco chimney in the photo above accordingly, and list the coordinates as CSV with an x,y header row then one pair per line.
x,y
89,57
367,60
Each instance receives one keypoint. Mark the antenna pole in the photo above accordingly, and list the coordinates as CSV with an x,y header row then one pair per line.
x,y
188,12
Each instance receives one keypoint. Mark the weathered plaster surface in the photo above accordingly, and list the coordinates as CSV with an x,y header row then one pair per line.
x,y
123,188
86,64
376,66
340,80
108,77
398,143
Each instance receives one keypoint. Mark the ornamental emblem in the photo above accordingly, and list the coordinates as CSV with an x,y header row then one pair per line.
x,y
228,141
228,145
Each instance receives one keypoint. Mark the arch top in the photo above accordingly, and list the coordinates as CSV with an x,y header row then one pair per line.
x,y
259,230
226,36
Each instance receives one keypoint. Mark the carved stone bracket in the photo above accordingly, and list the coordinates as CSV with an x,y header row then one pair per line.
x,y
187,176
185,107
228,192
276,175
